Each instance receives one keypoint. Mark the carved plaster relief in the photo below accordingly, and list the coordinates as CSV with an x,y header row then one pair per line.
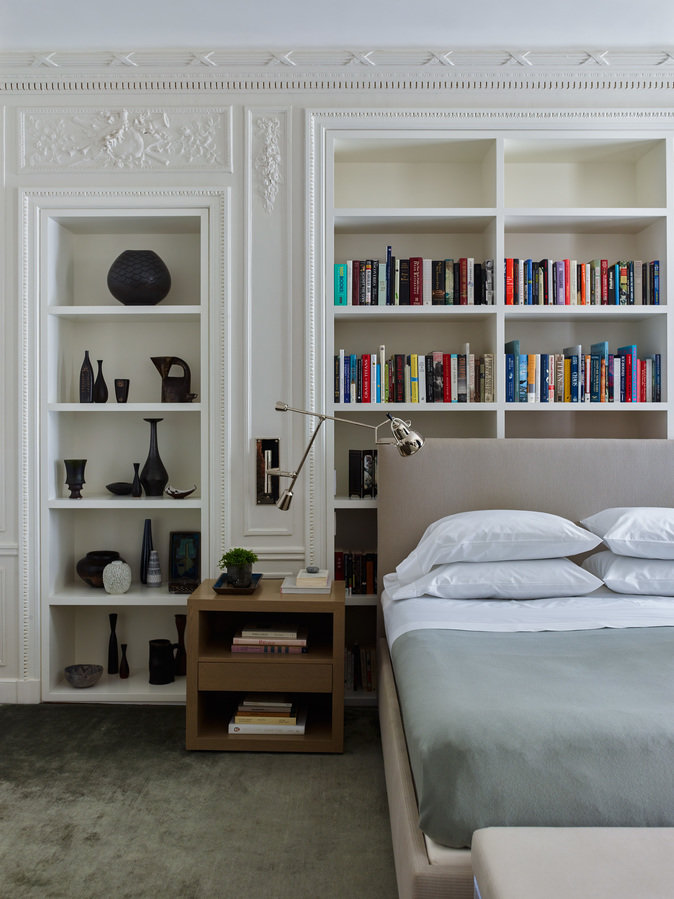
x,y
268,159
126,139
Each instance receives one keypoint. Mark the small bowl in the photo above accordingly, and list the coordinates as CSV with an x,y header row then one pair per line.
x,y
120,488
83,675
175,493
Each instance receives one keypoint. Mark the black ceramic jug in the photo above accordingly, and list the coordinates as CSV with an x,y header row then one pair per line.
x,y
162,661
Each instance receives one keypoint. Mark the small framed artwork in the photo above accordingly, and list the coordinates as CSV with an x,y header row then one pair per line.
x,y
184,574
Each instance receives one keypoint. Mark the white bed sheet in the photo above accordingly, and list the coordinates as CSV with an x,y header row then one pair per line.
x,y
600,609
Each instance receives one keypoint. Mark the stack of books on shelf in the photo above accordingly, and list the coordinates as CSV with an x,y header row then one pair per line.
x,y
268,713
574,376
435,377
358,570
567,282
274,640
360,668
414,281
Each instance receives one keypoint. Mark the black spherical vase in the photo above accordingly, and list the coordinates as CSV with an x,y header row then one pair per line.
x,y
153,476
139,278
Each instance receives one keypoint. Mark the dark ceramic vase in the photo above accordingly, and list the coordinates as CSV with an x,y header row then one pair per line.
x,y
181,654
100,387
139,278
145,550
136,486
153,476
162,662
86,380
113,651
90,568
75,476
123,663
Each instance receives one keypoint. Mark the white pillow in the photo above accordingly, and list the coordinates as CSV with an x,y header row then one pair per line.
x,y
643,531
524,579
625,574
493,535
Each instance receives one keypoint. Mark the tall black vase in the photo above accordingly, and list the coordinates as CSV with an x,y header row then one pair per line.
x,y
113,652
87,380
153,476
100,387
145,550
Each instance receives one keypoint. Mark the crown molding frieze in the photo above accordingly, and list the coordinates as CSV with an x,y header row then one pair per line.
x,y
142,139
343,70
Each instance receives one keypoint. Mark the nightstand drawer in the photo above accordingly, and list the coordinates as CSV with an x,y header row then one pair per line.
x,y
266,675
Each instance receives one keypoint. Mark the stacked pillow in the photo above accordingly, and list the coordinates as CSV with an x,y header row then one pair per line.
x,y
497,554
640,554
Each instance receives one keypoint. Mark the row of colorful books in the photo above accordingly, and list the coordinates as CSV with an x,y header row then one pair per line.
x,y
274,640
436,377
414,281
358,570
567,282
360,668
268,713
574,376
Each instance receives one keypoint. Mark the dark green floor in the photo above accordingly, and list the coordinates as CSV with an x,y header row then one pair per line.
x,y
104,801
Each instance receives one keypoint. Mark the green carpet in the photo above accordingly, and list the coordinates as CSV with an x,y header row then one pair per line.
x,y
104,801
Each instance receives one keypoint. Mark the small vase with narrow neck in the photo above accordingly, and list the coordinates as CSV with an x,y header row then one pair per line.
x,y
153,476
100,387
86,380
113,649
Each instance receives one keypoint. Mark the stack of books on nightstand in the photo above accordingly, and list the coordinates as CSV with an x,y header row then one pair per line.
x,y
279,640
267,713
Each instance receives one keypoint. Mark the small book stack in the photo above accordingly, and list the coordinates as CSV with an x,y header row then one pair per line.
x,y
273,713
281,640
308,582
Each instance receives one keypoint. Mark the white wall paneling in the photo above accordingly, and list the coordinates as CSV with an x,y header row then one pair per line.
x,y
271,363
241,133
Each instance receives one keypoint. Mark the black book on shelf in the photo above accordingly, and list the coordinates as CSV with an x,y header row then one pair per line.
x,y
430,380
355,474
404,282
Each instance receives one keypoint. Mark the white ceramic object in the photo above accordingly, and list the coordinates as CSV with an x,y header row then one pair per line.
x,y
116,577
153,570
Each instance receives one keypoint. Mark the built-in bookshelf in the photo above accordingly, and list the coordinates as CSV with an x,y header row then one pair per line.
x,y
80,236
575,198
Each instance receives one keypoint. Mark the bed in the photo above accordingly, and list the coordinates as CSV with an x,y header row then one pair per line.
x,y
571,478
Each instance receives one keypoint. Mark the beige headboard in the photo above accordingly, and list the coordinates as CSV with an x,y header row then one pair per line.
x,y
569,477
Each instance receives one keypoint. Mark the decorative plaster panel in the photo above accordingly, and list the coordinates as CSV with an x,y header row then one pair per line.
x,y
3,628
126,139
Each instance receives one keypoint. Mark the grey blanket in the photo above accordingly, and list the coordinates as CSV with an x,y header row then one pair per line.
x,y
563,729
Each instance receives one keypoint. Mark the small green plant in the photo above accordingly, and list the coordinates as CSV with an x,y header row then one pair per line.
x,y
237,556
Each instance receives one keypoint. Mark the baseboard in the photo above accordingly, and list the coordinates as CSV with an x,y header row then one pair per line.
x,y
26,692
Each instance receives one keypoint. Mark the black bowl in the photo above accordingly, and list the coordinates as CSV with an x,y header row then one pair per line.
x,y
121,488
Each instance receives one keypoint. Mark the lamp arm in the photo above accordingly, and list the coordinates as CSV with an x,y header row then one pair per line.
x,y
284,407
295,474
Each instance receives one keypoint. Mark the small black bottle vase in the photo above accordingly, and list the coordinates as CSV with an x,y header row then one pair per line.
x,y
123,663
113,651
153,475
86,380
100,387
136,487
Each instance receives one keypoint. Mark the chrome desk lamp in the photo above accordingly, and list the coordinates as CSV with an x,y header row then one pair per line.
x,y
408,442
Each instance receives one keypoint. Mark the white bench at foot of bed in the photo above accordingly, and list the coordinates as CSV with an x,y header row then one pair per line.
x,y
578,862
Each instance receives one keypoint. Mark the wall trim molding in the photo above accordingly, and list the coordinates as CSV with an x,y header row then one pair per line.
x,y
572,69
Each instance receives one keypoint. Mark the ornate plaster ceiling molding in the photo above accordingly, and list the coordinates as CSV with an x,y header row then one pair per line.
x,y
250,70
125,138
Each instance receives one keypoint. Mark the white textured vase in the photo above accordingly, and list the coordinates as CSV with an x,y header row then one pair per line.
x,y
116,577
153,570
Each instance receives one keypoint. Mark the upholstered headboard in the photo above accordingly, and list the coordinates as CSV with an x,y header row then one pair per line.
x,y
569,477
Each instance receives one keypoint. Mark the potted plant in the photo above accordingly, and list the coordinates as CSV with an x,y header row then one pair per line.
x,y
239,565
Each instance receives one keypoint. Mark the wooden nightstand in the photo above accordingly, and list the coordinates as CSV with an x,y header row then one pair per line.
x,y
217,678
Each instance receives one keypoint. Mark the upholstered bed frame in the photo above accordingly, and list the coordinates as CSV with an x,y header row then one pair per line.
x,y
569,477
